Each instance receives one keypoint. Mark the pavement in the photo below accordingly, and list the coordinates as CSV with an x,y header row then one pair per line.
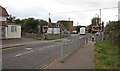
x,y
81,59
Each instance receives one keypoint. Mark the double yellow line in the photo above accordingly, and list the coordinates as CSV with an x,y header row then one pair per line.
x,y
45,66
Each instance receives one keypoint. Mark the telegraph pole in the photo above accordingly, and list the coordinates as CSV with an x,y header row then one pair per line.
x,y
49,14
100,16
102,31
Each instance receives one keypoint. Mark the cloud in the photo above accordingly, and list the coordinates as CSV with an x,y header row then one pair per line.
x,y
61,9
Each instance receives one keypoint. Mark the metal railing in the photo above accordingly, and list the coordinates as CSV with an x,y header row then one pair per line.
x,y
70,46
67,47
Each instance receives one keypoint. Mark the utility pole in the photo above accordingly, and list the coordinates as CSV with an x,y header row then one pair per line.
x,y
102,31
49,15
100,16
77,23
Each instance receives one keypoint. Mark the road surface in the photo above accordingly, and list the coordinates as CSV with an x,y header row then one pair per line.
x,y
31,56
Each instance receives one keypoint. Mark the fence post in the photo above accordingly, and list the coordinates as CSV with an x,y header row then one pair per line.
x,y
61,58
86,39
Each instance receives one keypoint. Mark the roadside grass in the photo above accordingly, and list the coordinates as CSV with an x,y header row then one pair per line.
x,y
106,55
52,37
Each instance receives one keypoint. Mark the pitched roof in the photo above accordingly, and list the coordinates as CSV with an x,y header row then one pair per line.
x,y
64,21
3,11
54,25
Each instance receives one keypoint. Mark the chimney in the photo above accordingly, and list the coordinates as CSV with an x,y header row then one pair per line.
x,y
69,19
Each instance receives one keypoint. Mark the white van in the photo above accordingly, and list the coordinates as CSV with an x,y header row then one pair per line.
x,y
82,31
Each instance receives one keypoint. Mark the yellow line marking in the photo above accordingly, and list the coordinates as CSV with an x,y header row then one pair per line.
x,y
50,64
44,66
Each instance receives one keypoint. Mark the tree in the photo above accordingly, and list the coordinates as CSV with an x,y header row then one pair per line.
x,y
31,25
42,23
89,28
18,21
95,21
11,19
112,32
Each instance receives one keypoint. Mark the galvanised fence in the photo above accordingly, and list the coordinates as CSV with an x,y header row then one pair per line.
x,y
63,49
70,46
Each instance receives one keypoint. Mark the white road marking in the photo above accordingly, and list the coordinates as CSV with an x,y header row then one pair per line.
x,y
20,54
31,50
39,49
28,48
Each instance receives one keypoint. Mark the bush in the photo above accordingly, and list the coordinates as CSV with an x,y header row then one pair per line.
x,y
112,32
106,56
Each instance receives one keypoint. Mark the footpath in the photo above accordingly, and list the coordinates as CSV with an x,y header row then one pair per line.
x,y
81,59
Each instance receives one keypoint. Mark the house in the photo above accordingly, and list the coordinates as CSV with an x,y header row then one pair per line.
x,y
67,24
74,30
53,28
8,30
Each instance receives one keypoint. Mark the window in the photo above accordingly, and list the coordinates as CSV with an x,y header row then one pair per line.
x,y
13,28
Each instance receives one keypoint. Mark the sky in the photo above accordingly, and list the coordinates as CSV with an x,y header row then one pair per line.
x,y
79,11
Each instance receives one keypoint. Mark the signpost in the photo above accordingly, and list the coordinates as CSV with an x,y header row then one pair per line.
x,y
45,28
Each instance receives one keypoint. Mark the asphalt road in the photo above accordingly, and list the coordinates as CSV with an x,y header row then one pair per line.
x,y
31,56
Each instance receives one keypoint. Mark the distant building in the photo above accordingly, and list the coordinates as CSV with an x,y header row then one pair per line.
x,y
67,24
53,28
119,11
96,28
8,30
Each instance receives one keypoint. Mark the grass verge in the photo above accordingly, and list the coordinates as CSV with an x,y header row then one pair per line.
x,y
106,55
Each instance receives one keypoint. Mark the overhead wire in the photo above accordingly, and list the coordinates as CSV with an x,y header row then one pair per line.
x,y
83,10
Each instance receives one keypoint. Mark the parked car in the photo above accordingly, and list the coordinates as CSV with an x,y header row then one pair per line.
x,y
74,32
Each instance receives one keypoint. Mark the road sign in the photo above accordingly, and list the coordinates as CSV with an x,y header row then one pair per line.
x,y
45,28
